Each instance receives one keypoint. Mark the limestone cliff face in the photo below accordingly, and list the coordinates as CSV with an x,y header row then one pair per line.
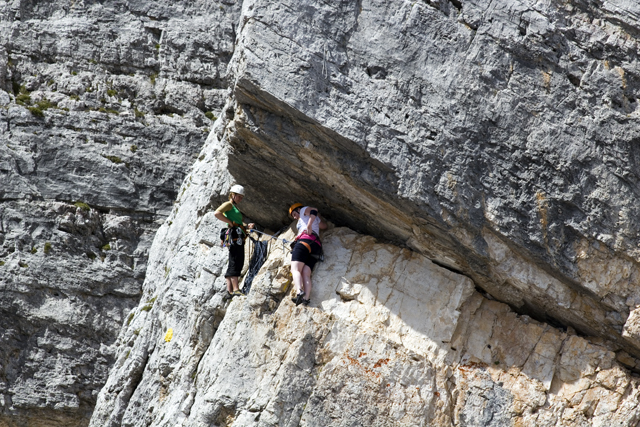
x,y
103,108
498,139
390,339
478,159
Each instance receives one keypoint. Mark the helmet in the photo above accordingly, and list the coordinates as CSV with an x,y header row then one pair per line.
x,y
237,189
294,207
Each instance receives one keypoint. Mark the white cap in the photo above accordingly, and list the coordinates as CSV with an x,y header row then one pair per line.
x,y
237,189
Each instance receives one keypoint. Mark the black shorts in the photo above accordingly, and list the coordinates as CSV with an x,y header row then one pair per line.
x,y
236,261
302,254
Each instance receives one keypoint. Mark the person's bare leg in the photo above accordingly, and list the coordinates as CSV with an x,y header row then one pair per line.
x,y
306,279
296,271
229,285
234,283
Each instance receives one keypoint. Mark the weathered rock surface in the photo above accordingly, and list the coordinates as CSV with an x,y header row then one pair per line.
x,y
108,104
492,145
499,139
390,339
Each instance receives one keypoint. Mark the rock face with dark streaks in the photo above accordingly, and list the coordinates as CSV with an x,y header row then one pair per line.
x,y
104,106
479,162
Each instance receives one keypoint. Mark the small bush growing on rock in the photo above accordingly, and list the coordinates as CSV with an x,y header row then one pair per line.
x,y
23,97
133,148
115,159
91,255
152,77
36,111
74,73
106,247
74,97
147,307
210,116
50,82
112,92
130,318
1,263
45,104
47,247
157,46
34,250
139,114
23,264
82,205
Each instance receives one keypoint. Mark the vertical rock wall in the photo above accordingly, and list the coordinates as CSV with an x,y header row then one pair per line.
x,y
497,139
500,140
103,108
390,339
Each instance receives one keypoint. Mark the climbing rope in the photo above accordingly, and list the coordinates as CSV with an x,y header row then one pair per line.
x,y
275,236
260,254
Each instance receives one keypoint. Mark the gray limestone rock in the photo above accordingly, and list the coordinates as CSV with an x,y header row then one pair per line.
x,y
497,139
103,106
500,140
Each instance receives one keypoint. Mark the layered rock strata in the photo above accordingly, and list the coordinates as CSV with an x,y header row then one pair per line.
x,y
390,339
103,108
498,139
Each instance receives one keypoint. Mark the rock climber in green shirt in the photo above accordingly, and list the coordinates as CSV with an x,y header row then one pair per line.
x,y
235,235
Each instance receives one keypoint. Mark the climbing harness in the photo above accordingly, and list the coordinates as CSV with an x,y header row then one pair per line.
x,y
227,236
314,237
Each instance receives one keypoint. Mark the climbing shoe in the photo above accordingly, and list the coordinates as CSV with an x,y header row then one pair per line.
x,y
227,296
238,294
306,301
298,299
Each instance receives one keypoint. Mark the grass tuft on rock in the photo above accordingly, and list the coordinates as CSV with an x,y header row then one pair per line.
x,y
23,97
82,205
47,247
115,159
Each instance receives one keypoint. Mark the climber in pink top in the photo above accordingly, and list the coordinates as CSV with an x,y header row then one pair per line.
x,y
306,250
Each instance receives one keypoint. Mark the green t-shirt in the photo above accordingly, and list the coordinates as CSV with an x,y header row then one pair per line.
x,y
230,211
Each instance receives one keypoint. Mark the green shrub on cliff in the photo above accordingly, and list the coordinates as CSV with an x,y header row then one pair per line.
x,y
115,159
